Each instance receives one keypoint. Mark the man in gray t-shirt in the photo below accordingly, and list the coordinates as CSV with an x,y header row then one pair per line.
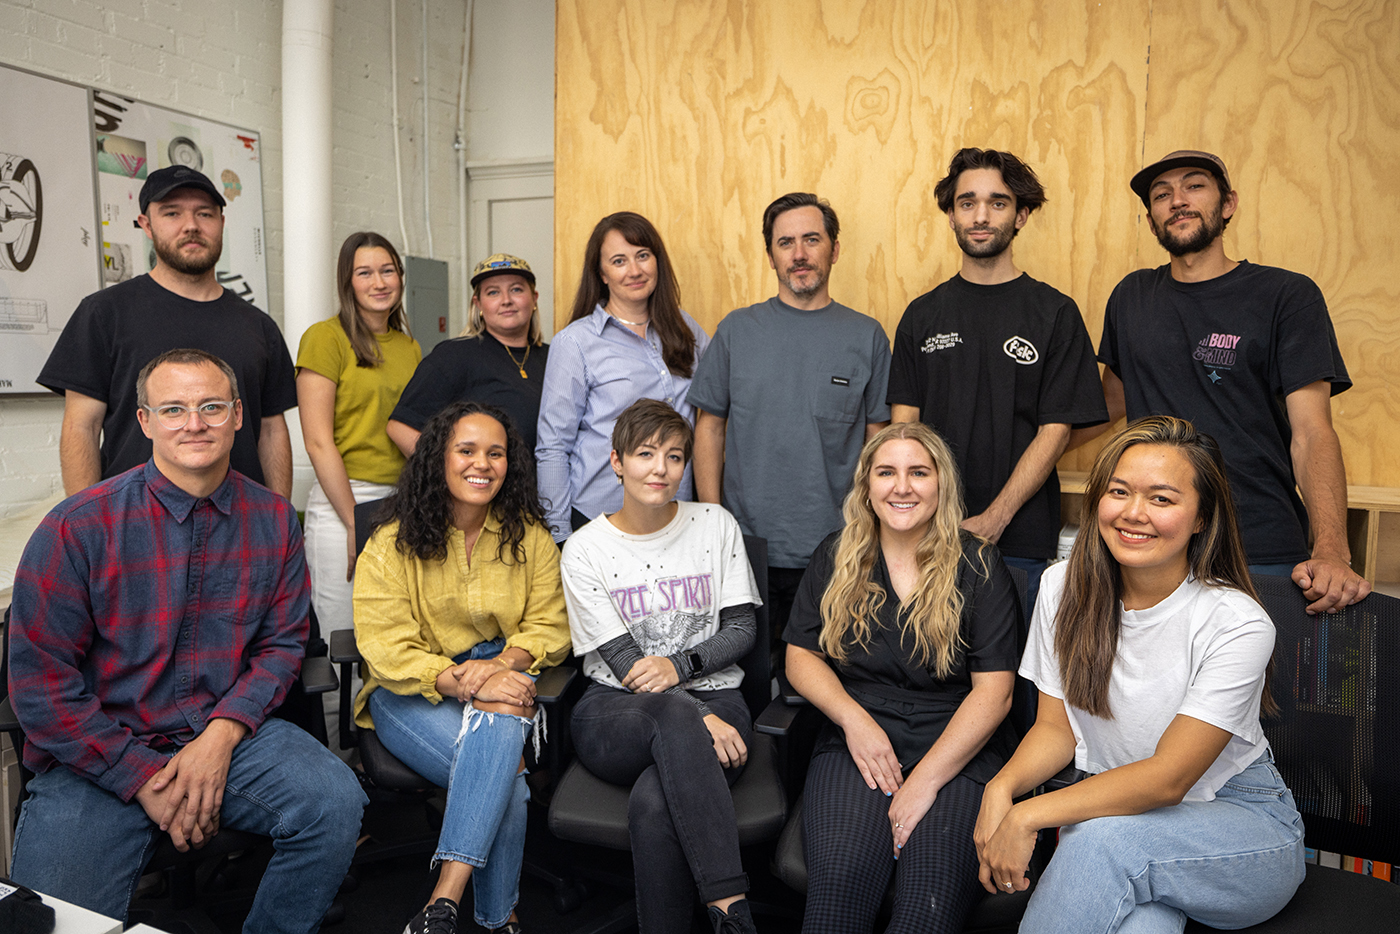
x,y
786,395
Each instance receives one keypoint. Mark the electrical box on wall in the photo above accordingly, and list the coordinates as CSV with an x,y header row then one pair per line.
x,y
425,300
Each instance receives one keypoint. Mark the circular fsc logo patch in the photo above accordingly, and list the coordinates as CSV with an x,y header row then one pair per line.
x,y
1021,350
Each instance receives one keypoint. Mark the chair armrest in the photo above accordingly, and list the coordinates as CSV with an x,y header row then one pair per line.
x,y
777,718
788,693
343,647
553,682
9,723
317,676
1067,776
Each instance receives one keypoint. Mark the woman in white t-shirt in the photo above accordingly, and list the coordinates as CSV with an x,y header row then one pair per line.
x,y
1151,654
661,600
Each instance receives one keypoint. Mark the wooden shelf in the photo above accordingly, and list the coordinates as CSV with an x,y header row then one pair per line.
x,y
1373,526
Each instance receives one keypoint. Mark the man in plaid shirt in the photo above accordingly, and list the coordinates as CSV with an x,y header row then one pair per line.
x,y
158,618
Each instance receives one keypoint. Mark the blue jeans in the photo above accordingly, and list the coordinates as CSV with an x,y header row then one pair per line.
x,y
1228,863
1034,567
484,825
83,844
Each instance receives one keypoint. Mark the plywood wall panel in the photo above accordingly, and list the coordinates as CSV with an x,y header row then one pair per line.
x,y
698,113
1302,100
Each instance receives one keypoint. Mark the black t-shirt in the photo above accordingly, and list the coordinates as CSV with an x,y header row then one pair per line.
x,y
115,332
1224,353
476,369
987,365
904,697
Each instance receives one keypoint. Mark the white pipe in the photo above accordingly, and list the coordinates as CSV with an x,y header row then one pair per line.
x,y
426,143
460,144
394,92
308,253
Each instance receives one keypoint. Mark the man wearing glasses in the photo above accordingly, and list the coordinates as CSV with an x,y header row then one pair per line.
x,y
158,618
180,303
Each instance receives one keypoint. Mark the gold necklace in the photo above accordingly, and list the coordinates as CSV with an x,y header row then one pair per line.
x,y
519,363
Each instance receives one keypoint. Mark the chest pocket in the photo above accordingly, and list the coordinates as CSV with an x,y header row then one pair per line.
x,y
839,392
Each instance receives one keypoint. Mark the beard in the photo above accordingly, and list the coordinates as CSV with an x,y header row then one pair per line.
x,y
1212,225
1001,239
809,290
191,265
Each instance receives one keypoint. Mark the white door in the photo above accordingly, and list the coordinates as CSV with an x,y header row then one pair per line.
x,y
512,211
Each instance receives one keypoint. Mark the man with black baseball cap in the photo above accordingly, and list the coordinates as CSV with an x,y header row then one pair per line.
x,y
180,303
1247,353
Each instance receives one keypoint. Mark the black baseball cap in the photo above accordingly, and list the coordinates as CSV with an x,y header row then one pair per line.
x,y
1195,158
162,182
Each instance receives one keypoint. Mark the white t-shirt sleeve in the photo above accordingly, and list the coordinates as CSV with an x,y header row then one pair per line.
x,y
737,585
593,617
1225,688
1038,662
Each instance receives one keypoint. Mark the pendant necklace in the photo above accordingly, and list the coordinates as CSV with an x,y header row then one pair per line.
x,y
520,364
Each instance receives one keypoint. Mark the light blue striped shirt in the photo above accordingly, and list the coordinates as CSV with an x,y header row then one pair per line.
x,y
597,367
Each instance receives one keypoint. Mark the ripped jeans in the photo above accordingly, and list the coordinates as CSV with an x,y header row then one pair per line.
x,y
484,824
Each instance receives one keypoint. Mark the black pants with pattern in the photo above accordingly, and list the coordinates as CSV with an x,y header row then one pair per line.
x,y
849,852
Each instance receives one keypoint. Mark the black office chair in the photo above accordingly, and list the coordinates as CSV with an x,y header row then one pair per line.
x,y
992,913
1337,745
193,880
585,809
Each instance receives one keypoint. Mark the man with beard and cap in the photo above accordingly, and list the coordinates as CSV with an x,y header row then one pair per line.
x,y
998,363
786,395
180,303
1247,353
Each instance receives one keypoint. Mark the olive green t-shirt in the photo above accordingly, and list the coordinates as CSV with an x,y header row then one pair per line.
x,y
364,396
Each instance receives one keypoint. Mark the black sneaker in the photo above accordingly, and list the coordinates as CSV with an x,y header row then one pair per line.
x,y
737,921
438,918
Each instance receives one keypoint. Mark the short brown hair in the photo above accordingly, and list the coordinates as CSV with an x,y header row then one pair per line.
x,y
650,418
790,202
183,355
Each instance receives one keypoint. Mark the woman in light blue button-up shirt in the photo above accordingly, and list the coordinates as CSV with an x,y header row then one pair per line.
x,y
627,340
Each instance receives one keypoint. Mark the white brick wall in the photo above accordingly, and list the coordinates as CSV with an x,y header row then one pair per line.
x,y
221,59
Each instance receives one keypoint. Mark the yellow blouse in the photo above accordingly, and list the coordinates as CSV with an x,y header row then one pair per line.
x,y
412,617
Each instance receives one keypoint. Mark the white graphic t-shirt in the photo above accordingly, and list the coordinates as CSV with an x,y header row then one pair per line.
x,y
666,589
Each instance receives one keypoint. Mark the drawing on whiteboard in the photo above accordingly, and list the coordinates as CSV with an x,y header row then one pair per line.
x,y
120,155
24,315
183,151
116,263
21,212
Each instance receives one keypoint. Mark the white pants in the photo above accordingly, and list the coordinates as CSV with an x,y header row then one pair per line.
x,y
326,557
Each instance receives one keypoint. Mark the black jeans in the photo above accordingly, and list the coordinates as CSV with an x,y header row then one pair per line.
x,y
680,813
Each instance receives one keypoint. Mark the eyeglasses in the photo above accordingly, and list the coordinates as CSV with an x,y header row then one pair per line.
x,y
175,417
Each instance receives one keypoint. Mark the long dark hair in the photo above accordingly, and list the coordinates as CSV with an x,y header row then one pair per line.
x,y
423,506
361,338
664,305
1087,622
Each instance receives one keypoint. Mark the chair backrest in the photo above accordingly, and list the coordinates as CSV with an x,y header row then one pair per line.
x,y
1337,740
365,525
758,663
1025,698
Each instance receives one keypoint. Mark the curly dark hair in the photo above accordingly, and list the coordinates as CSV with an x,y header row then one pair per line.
x,y
423,506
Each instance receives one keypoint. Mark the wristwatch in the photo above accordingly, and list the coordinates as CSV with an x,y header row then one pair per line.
x,y
692,658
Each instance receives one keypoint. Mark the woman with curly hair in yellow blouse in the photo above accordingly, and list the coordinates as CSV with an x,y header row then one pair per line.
x,y
457,607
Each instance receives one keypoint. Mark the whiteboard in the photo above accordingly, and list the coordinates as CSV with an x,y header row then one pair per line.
x,y
133,139
49,232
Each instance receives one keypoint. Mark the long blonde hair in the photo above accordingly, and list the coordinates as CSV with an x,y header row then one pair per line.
x,y
932,615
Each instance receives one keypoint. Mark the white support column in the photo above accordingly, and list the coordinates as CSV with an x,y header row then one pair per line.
x,y
308,251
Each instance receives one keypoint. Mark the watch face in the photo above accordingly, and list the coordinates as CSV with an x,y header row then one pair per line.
x,y
695,663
